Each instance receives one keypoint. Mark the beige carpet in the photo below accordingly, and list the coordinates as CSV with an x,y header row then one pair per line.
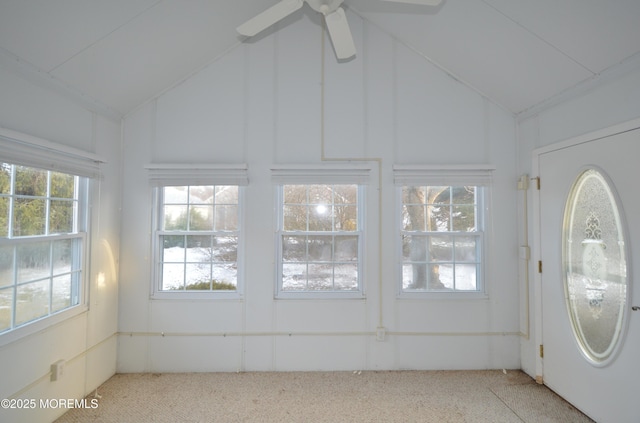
x,y
394,396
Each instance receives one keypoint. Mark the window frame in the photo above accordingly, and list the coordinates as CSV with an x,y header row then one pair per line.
x,y
156,246
479,176
358,293
80,232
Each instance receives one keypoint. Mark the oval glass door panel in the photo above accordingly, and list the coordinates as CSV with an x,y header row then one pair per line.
x,y
594,258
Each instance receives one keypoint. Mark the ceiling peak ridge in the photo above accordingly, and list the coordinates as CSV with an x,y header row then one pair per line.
x,y
441,67
613,72
105,36
542,39
43,79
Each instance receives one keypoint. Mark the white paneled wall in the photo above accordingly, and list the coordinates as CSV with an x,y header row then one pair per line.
x,y
88,341
262,104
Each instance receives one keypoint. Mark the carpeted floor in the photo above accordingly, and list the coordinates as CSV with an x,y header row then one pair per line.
x,y
394,396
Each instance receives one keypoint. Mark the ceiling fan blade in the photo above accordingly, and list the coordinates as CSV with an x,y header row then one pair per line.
x,y
422,2
340,34
269,17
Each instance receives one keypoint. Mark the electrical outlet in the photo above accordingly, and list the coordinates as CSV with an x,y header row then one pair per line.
x,y
57,370
381,333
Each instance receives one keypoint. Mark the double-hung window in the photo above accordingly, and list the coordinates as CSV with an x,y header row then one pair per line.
x,y
43,227
198,234
442,230
319,238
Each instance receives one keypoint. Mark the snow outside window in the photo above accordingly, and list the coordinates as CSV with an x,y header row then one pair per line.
x,y
42,244
442,238
319,240
198,241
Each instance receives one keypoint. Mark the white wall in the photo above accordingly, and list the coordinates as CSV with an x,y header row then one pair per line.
x,y
261,104
615,100
87,341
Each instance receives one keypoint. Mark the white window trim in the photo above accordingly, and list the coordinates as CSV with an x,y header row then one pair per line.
x,y
445,175
321,174
26,150
161,175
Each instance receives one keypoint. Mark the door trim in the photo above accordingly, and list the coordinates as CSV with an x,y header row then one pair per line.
x,y
536,224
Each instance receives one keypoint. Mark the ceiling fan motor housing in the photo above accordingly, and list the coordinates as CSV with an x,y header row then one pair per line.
x,y
324,6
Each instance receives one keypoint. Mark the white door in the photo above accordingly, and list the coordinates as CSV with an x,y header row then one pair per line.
x,y
590,335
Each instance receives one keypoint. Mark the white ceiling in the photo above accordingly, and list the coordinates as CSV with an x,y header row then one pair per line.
x,y
114,55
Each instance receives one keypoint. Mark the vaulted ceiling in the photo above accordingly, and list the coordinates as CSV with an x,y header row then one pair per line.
x,y
114,55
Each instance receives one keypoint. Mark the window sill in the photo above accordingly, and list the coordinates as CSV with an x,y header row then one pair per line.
x,y
41,324
440,295
197,296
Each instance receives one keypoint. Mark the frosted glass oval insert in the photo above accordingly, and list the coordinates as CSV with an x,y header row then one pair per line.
x,y
594,259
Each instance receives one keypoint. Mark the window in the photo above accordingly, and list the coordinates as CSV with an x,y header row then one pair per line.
x,y
43,228
320,240
442,238
198,239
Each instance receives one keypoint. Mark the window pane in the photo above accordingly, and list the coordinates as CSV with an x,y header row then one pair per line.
x,y
5,178
32,301
295,194
201,195
175,195
320,277
224,249
226,195
466,248
294,248
28,217
6,265
197,273
413,218
414,248
201,218
310,261
346,248
175,218
4,217
437,195
41,275
440,261
464,218
61,296
320,217
463,195
226,218
225,277
199,248
61,217
440,248
411,276
346,218
30,181
6,307
466,277
345,194
320,194
294,276
320,248
346,277
295,218
33,261
173,247
63,256
62,185
172,276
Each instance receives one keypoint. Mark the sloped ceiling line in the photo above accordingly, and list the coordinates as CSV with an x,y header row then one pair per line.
x,y
541,38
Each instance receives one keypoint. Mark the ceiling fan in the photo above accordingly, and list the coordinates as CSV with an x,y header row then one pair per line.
x,y
334,17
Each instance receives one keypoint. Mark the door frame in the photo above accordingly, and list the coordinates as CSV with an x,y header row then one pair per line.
x,y
537,228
